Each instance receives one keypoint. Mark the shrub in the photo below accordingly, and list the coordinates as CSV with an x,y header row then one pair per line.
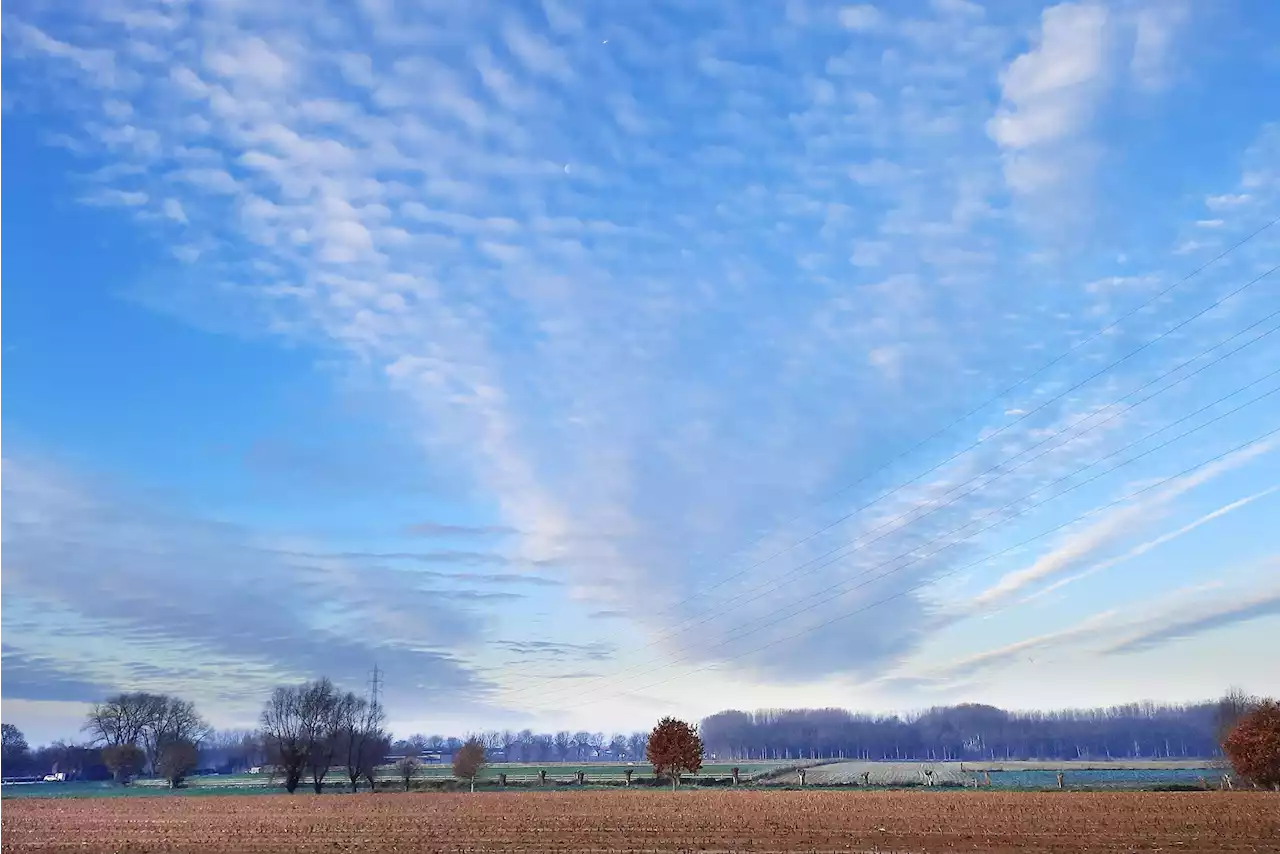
x,y
176,760
1253,745
125,761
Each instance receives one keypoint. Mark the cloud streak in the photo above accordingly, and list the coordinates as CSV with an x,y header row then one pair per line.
x,y
160,591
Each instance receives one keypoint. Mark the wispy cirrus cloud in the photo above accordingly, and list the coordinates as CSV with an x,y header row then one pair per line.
x,y
1090,543
446,529
593,651
178,603
1175,616
1192,621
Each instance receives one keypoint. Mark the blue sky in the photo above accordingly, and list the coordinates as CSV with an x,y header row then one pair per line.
x,y
579,364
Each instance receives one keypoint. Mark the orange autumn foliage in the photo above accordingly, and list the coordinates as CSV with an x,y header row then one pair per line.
x,y
674,748
1253,745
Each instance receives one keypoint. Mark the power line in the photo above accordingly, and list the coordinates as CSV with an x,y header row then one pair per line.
x,y
686,624
1141,348
836,587
951,572
795,572
988,437
1046,366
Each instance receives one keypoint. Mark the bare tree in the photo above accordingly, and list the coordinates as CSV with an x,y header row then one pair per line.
x,y
378,749
492,740
507,739
322,708
408,768
300,726
1233,706
120,719
235,749
361,738
285,736
528,742
171,720
146,720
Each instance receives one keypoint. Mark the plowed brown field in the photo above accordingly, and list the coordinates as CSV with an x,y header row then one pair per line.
x,y
649,821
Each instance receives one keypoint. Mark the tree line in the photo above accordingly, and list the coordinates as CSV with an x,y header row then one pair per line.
x,y
975,732
306,733
314,730
527,746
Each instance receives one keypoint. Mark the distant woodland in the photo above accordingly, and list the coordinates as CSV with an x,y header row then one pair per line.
x,y
946,733
974,731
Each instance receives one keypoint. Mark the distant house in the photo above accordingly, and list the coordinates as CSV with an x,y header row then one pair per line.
x,y
433,757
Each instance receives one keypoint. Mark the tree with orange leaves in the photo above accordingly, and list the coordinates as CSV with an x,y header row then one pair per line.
x,y
1253,745
674,748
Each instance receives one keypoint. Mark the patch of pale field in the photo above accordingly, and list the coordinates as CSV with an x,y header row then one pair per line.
x,y
965,773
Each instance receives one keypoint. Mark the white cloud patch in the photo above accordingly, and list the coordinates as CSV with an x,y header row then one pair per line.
x,y
862,17
1048,96
173,210
1226,201
1156,28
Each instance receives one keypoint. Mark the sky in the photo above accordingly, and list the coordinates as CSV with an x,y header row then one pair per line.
x,y
577,364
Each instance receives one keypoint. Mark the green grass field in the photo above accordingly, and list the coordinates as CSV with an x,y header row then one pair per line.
x,y
594,770
516,773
